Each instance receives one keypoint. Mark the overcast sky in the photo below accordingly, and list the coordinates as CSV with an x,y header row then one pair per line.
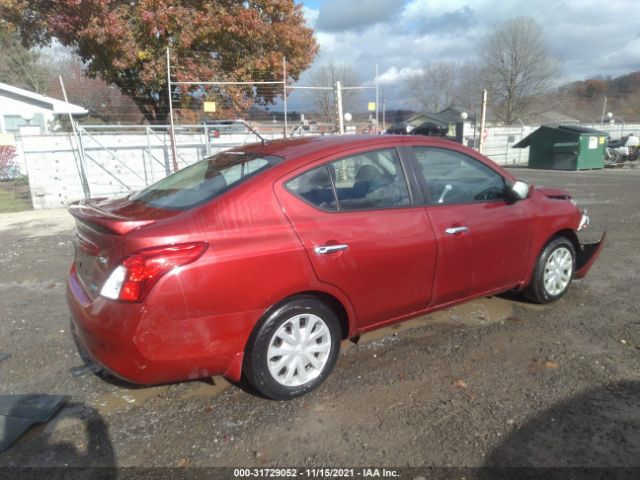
x,y
589,37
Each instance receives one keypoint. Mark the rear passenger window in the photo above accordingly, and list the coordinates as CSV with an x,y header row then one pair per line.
x,y
315,187
365,181
370,180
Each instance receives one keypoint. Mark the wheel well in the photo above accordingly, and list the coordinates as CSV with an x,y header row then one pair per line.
x,y
337,308
569,234
332,302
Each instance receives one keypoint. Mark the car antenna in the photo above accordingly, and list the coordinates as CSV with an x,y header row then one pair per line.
x,y
254,132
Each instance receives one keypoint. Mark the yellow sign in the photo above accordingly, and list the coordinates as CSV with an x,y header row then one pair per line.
x,y
209,107
372,106
602,140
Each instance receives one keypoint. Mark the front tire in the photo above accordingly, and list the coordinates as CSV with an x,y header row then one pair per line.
x,y
293,349
553,272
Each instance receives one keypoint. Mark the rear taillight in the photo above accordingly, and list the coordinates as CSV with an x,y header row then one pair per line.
x,y
133,278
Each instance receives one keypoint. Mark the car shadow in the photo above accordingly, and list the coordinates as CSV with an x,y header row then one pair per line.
x,y
516,296
37,455
595,434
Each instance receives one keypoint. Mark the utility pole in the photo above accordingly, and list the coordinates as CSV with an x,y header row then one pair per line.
x,y
483,113
284,94
172,134
384,101
339,105
377,107
604,109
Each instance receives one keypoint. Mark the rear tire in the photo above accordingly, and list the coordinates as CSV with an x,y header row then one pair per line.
x,y
553,272
293,349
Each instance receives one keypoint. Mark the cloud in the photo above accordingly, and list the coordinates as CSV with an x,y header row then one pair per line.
x,y
340,15
310,15
400,37
447,23
394,75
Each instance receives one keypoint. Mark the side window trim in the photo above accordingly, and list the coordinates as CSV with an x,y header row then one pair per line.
x,y
419,178
407,159
331,173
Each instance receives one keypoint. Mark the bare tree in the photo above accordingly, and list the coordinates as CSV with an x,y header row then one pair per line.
x,y
105,102
21,67
468,91
434,88
327,76
517,65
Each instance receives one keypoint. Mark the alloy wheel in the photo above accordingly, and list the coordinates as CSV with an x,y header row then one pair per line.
x,y
558,271
299,350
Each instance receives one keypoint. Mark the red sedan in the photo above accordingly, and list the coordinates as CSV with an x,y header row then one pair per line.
x,y
260,260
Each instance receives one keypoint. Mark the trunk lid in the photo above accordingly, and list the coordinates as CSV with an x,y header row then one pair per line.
x,y
101,226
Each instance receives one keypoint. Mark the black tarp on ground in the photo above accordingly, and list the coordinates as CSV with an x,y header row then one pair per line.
x,y
19,412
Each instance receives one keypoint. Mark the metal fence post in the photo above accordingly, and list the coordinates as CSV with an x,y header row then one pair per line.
x,y
146,131
207,147
506,150
521,137
339,102
167,164
82,162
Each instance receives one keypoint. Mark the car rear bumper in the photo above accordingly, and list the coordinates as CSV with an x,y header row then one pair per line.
x,y
133,342
586,255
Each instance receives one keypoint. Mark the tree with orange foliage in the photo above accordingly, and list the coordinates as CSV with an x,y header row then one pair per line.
x,y
124,42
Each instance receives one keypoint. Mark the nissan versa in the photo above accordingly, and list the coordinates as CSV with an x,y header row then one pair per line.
x,y
258,261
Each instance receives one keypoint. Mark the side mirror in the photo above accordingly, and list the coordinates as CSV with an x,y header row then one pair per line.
x,y
519,190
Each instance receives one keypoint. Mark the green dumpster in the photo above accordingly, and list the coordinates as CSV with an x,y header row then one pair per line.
x,y
565,147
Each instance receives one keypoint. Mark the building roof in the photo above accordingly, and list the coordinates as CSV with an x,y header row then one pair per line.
x,y
58,107
576,130
421,118
451,114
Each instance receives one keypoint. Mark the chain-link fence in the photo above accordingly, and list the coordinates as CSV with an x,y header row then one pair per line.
x,y
113,160
46,170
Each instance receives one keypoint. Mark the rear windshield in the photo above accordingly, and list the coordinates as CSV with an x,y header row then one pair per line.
x,y
205,180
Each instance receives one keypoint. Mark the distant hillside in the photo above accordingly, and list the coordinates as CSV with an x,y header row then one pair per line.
x,y
585,99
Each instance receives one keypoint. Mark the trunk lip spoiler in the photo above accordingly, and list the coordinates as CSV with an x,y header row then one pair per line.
x,y
587,255
115,223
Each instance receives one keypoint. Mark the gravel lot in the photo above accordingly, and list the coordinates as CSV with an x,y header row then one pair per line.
x,y
496,381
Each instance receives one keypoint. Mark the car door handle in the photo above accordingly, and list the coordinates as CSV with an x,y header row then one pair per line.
x,y
330,249
455,230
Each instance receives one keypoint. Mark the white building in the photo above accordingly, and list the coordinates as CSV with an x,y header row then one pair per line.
x,y
21,108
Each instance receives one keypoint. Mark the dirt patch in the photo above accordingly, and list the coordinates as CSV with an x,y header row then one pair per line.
x,y
494,381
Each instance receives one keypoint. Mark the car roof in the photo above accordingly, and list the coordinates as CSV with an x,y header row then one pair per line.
x,y
319,146
300,151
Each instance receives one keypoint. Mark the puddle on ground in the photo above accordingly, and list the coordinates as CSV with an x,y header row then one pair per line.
x,y
113,402
120,400
481,311
207,389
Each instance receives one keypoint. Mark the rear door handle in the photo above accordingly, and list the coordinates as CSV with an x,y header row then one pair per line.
x,y
455,230
330,249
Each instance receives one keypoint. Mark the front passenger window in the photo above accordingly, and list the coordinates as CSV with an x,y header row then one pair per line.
x,y
451,177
